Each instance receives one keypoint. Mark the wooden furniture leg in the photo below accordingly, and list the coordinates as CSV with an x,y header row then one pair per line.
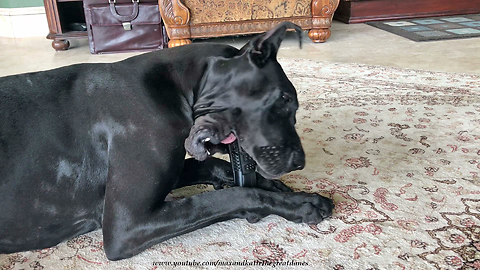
x,y
322,14
60,45
176,17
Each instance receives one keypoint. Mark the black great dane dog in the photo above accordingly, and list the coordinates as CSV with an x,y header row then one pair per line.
x,y
93,146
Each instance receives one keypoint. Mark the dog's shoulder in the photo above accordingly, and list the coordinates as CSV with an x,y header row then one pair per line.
x,y
204,49
196,52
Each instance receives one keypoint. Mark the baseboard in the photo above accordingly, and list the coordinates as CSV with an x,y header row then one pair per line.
x,y
359,11
23,22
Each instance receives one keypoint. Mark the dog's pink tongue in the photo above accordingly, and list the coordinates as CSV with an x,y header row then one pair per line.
x,y
231,138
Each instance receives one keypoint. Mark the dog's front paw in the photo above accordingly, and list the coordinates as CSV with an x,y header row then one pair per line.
x,y
312,208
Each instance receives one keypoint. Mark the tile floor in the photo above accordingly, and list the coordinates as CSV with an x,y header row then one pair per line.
x,y
354,43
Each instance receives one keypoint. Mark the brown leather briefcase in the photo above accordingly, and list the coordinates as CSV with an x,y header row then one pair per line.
x,y
124,26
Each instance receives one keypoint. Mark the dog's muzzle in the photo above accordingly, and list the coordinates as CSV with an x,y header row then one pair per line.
x,y
278,160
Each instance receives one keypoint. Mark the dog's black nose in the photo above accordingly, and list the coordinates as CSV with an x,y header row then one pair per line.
x,y
297,160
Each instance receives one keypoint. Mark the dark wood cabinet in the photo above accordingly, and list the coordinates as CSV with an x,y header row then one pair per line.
x,y
65,18
359,11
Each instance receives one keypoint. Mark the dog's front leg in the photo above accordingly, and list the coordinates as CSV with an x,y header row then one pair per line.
x,y
131,230
218,172
212,171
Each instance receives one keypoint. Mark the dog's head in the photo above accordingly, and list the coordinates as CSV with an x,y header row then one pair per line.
x,y
249,98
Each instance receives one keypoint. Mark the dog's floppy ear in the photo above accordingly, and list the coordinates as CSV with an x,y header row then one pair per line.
x,y
265,47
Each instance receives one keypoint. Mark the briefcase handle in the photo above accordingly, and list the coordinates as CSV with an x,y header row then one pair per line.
x,y
121,18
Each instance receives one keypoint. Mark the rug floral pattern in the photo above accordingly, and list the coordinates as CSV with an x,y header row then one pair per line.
x,y
398,151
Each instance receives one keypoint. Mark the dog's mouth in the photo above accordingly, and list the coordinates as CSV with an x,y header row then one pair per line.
x,y
221,147
267,175
229,139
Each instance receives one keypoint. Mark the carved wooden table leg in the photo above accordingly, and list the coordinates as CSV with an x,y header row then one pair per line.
x,y
322,14
60,44
176,18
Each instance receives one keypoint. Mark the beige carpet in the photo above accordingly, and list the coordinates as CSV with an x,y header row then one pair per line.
x,y
399,152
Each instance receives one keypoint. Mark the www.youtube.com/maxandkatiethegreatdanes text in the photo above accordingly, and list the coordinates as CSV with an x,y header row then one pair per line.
x,y
219,263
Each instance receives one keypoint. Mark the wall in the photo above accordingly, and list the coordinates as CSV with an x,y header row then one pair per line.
x,y
22,18
20,3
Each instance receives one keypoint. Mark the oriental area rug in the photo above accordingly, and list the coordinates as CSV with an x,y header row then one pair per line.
x,y
398,150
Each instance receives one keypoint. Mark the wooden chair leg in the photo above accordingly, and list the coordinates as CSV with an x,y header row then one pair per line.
x,y
178,42
322,14
319,35
176,17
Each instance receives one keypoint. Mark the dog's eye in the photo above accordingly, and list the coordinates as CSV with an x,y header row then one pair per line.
x,y
287,98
